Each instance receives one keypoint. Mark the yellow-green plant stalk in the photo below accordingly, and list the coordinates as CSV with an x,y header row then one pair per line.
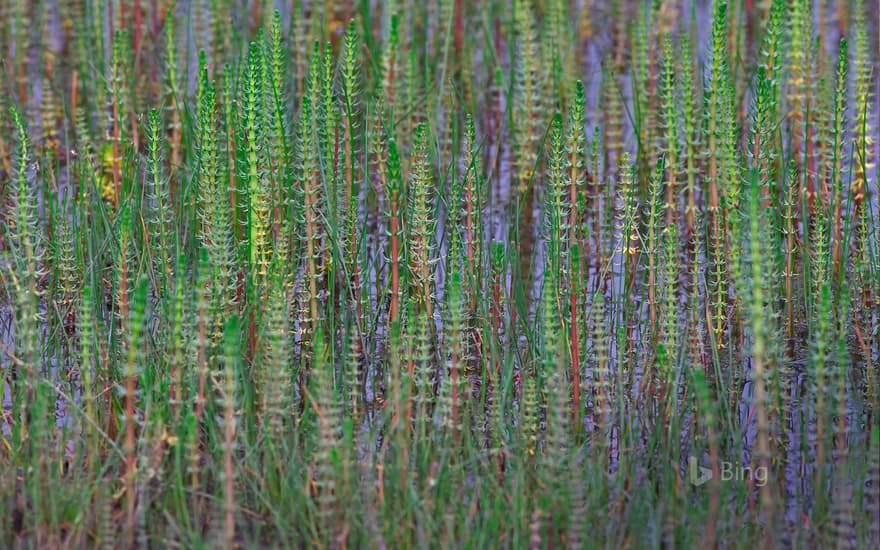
x,y
298,34
761,366
655,191
865,271
309,185
205,373
716,280
86,333
22,37
818,370
595,185
472,202
706,412
799,16
576,163
173,90
325,405
119,96
556,461
272,364
497,273
220,30
353,367
215,232
612,115
570,58
671,114
696,330
50,113
790,231
388,75
276,106
529,415
350,123
377,129
452,393
771,61
627,224
395,455
227,396
423,373
133,366
690,133
527,108
819,241
122,270
838,132
671,262
5,157
258,190
716,106
411,88
551,325
575,149
865,132
180,368
610,194
602,390
731,193
645,111
761,137
160,218
448,134
25,241
420,223
840,372
818,124
327,126
200,29
67,270
230,120
395,189
557,194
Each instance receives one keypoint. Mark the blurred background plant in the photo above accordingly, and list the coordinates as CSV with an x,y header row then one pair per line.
x,y
438,274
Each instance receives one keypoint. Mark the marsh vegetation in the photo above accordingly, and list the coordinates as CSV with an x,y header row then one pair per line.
x,y
439,274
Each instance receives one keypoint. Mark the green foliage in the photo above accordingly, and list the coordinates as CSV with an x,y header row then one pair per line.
x,y
356,275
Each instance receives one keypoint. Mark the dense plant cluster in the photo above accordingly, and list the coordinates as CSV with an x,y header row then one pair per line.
x,y
443,273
